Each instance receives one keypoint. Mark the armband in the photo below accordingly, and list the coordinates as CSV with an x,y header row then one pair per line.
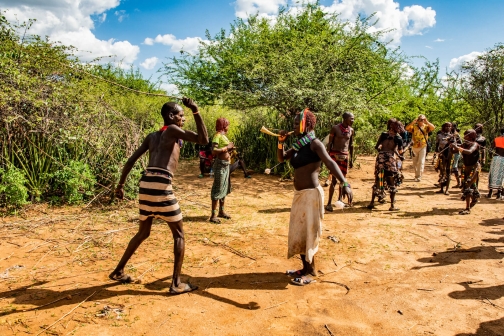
x,y
197,112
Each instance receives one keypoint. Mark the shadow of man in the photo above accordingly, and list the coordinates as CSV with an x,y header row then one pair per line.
x,y
44,298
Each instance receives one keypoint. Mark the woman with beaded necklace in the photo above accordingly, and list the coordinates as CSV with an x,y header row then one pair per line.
x,y
307,212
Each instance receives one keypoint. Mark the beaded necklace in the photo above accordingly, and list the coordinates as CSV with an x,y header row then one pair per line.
x,y
309,137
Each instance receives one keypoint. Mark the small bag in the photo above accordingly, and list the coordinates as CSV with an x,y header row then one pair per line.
x,y
426,141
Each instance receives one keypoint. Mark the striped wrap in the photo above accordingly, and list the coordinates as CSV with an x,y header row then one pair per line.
x,y
156,196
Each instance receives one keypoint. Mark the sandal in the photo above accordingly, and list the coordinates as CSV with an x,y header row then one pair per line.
x,y
302,281
122,278
465,212
224,215
214,220
185,289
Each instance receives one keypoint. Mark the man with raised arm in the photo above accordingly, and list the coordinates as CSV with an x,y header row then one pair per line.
x,y
340,148
156,192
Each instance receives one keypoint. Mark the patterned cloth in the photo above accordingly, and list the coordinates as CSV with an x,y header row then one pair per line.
x,y
496,176
221,184
470,180
341,159
419,140
387,162
305,225
156,196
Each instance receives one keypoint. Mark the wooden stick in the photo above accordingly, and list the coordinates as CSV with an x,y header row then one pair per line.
x,y
417,235
329,330
71,311
281,303
48,304
493,304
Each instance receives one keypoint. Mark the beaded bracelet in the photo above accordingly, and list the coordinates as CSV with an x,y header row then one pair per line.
x,y
345,184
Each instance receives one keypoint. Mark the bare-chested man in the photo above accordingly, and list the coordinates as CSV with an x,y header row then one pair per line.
x,y
156,193
340,149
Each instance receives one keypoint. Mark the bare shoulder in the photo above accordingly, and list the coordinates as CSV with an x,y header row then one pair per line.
x,y
316,143
335,129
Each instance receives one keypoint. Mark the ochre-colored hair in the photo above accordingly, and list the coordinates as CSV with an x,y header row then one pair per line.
x,y
471,133
221,124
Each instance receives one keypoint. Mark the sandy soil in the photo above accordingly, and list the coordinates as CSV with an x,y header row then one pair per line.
x,y
421,270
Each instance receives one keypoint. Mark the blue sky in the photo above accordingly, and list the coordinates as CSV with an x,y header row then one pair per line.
x,y
145,33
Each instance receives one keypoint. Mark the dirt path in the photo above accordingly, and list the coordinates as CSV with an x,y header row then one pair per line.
x,y
422,270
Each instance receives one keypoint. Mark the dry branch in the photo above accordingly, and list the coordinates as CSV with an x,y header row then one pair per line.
x,y
62,317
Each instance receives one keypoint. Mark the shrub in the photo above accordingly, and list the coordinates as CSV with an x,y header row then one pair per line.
x,y
74,183
13,191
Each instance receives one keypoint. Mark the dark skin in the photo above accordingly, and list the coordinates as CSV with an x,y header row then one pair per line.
x,y
306,177
470,139
223,154
343,143
387,145
164,152
479,133
447,169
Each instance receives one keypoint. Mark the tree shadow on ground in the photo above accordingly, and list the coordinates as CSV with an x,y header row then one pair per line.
x,y
492,222
41,297
478,293
203,218
489,328
433,212
455,256
494,240
274,210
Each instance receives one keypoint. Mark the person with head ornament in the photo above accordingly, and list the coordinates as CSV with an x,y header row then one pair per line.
x,y
307,211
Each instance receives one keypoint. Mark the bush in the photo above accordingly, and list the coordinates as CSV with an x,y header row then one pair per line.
x,y
13,191
74,183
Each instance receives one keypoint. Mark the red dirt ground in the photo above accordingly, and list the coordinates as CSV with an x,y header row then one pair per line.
x,y
424,270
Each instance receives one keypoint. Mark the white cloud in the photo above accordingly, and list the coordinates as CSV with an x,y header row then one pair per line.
x,y
121,15
70,22
439,40
429,47
264,8
170,89
459,61
189,44
149,63
411,20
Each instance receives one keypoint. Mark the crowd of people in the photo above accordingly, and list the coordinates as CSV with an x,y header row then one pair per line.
x,y
462,156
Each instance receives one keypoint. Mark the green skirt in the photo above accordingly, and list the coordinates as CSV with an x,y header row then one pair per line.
x,y
221,185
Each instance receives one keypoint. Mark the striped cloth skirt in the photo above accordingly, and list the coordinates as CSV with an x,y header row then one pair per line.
x,y
156,196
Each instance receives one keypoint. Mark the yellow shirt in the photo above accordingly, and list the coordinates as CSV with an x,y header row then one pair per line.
x,y
221,140
419,140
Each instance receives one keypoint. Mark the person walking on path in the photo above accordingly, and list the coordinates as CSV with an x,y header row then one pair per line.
x,y
307,211
496,176
156,197
420,129
340,148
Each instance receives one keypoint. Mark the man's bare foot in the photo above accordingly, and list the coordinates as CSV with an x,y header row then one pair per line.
x,y
223,215
371,206
121,277
182,288
329,207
